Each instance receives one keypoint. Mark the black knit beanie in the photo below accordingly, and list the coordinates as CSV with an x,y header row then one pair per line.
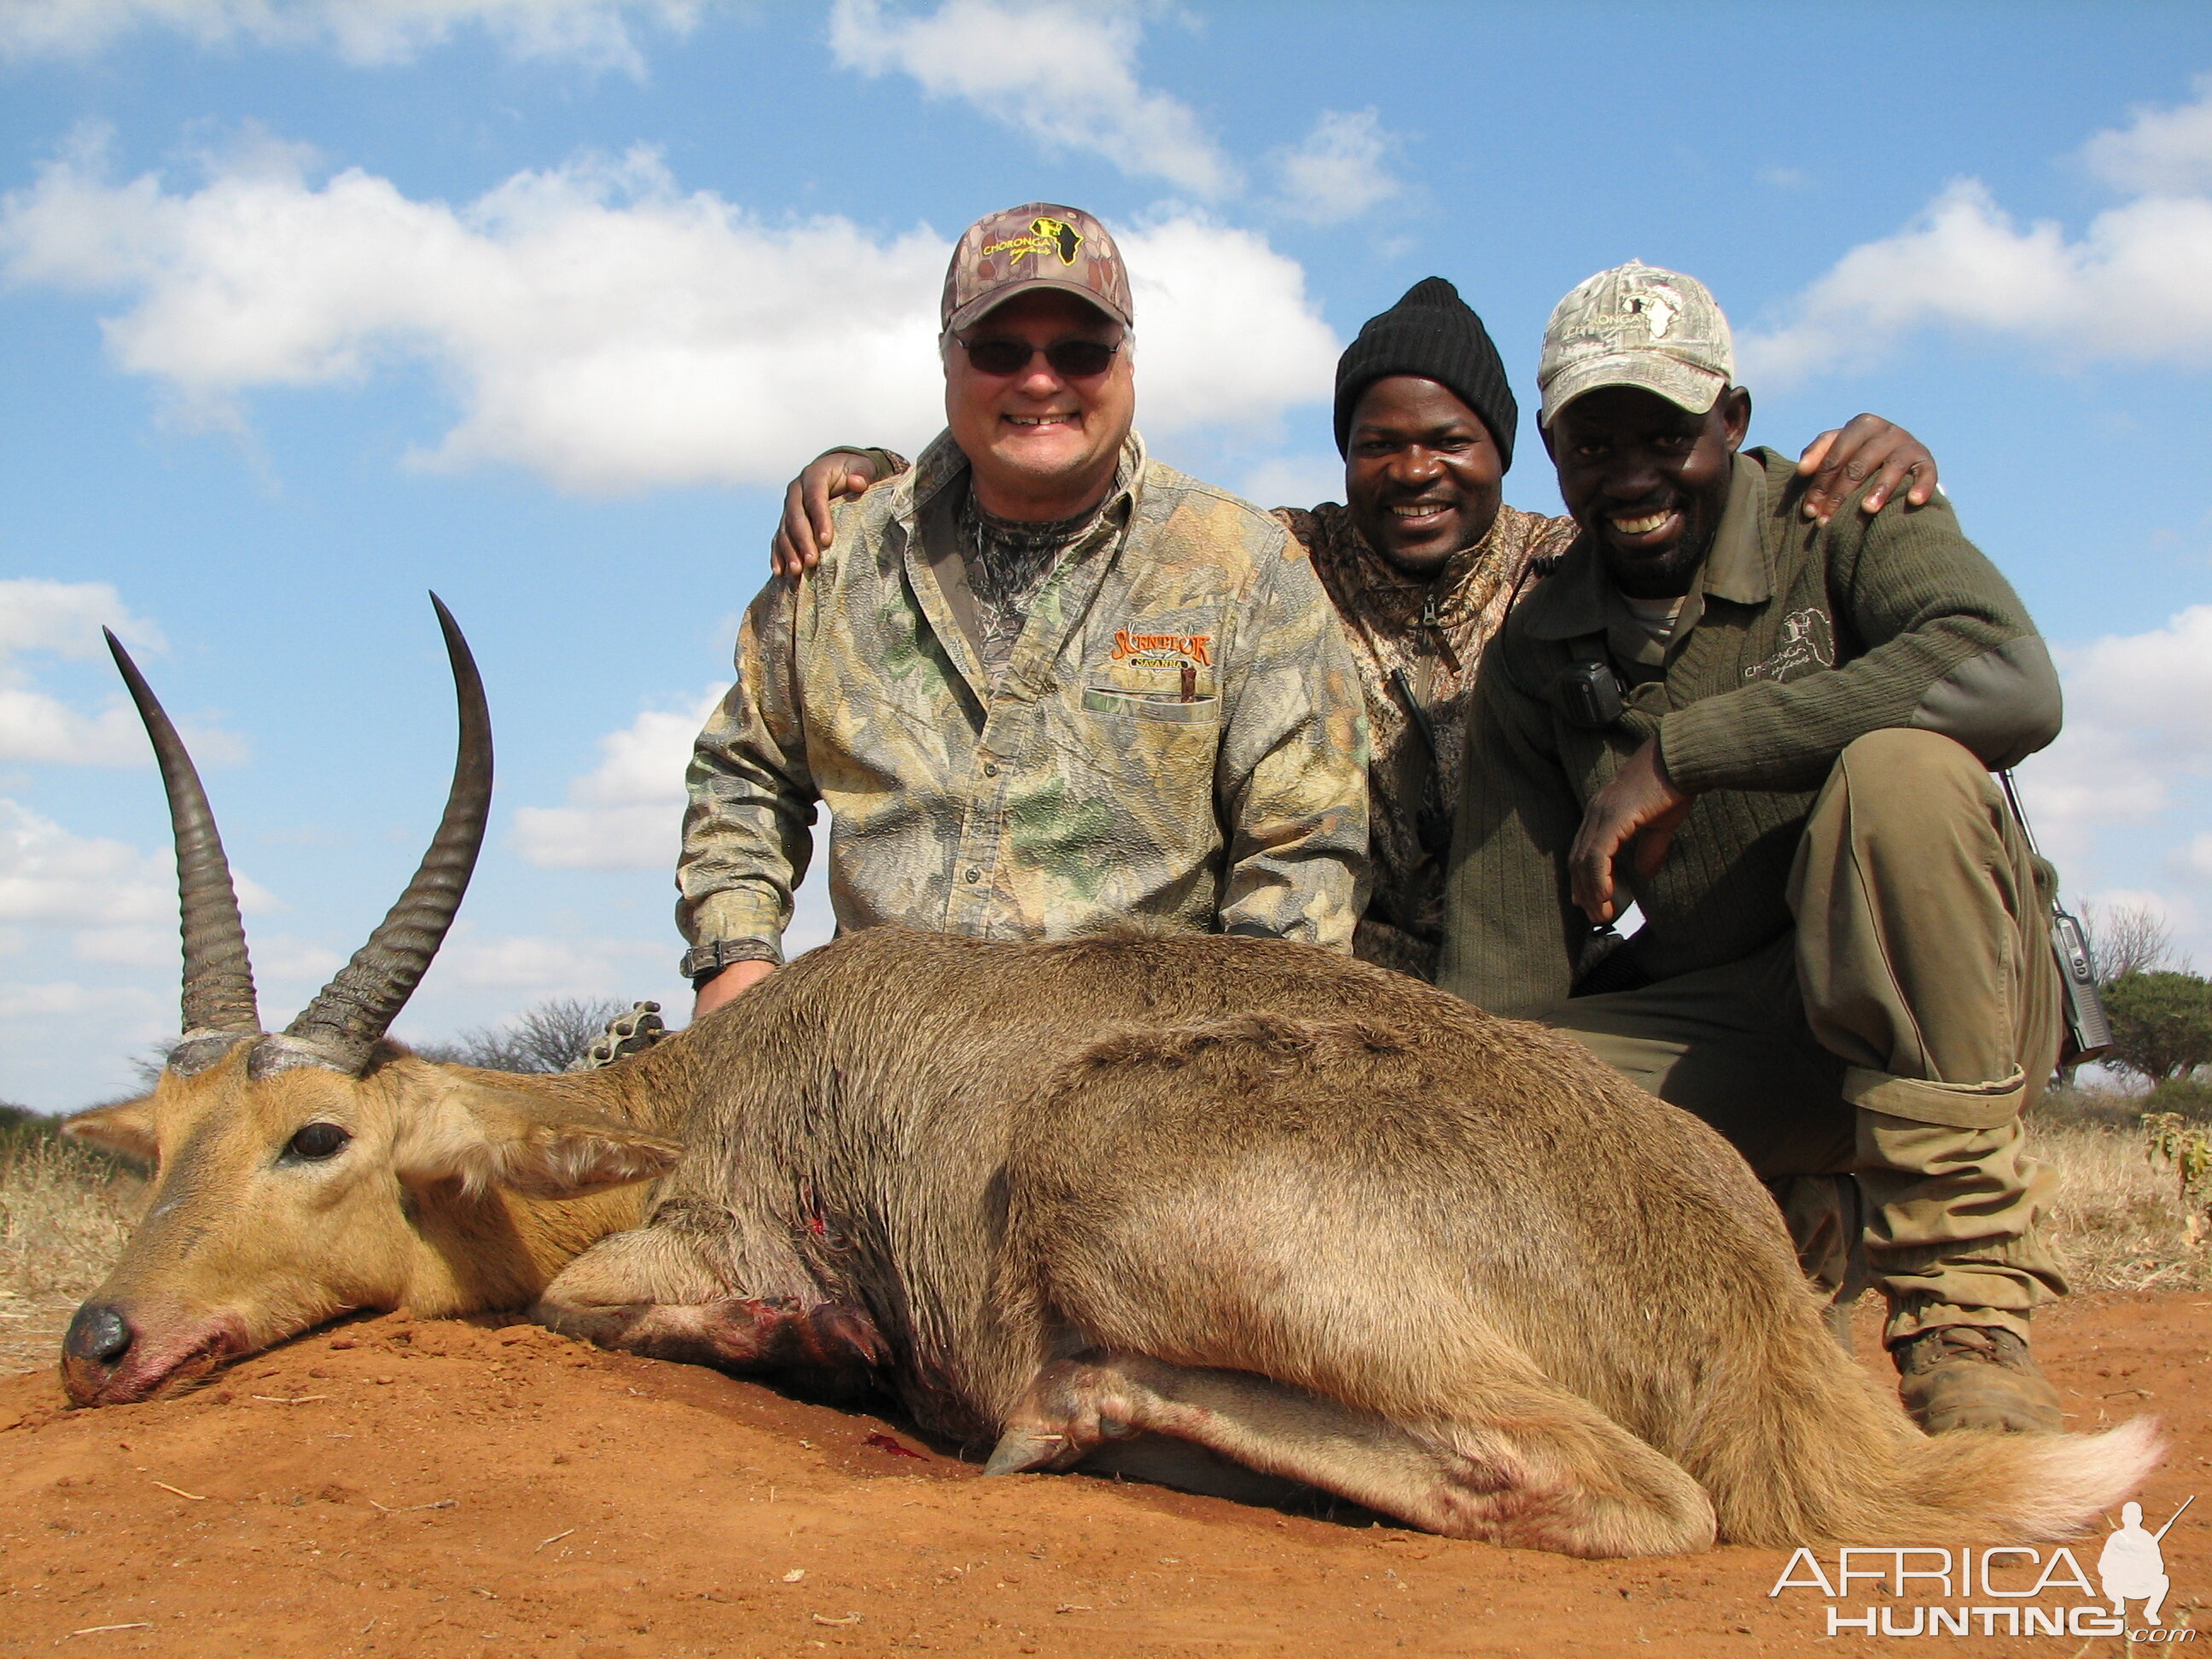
x,y
1431,333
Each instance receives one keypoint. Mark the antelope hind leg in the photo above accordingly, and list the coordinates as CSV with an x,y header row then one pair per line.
x,y
735,1334
1550,1474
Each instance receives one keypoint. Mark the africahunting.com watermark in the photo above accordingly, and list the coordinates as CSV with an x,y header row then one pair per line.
x,y
2002,1590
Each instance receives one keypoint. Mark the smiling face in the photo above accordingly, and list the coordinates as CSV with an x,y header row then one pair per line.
x,y
1648,480
1421,476
1043,444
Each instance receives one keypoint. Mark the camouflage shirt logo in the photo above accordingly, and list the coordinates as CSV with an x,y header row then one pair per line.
x,y
1046,236
1161,650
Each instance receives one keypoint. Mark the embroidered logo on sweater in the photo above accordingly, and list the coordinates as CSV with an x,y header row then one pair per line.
x,y
1808,641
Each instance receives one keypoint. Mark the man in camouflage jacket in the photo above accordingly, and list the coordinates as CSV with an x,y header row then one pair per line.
x,y
1043,683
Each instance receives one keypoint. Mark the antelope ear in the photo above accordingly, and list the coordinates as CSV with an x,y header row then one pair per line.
x,y
488,1136
127,1127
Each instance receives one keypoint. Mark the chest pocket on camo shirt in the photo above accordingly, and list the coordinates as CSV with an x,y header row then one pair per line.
x,y
1151,694
1157,756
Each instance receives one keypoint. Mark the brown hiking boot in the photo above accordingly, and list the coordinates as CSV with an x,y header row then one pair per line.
x,y
1975,1377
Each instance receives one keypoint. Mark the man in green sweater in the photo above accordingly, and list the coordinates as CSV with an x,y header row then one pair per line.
x,y
1783,731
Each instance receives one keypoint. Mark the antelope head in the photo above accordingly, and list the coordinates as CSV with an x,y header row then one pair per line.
x,y
305,1173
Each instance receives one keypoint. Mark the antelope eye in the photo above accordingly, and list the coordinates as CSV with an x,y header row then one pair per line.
x,y
316,1141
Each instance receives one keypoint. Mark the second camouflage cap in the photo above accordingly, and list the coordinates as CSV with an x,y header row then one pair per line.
x,y
1636,324
1037,244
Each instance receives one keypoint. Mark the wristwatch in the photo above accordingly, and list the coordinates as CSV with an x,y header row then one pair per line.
x,y
702,962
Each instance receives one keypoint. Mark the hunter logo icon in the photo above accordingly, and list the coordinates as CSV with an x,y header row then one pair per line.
x,y
2133,1567
1046,236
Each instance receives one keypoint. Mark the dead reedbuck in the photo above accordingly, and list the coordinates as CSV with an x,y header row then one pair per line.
x,y
1167,1205
307,1173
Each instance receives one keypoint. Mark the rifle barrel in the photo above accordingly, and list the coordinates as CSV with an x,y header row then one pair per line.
x,y
2176,1516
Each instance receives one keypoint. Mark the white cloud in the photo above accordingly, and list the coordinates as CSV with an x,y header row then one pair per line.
x,y
127,947
105,889
64,619
2130,760
287,960
51,878
2161,152
58,997
2127,289
1295,480
2130,735
1226,336
545,965
627,813
595,32
2116,800
598,326
2153,686
1337,173
1062,71
63,1043
2195,857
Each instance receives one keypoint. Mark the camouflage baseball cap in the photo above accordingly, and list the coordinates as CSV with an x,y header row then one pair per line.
x,y
1636,324
1039,245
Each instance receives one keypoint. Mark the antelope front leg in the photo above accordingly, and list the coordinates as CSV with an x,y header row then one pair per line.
x,y
1549,1473
737,1333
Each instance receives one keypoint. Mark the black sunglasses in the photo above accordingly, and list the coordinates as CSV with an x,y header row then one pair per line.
x,y
1072,359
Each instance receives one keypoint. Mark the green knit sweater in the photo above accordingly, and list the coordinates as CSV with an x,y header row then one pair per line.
x,y
1795,639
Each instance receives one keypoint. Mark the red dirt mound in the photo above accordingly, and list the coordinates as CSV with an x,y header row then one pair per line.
x,y
393,1487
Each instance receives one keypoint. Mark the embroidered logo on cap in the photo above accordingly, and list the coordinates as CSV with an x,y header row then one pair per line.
x,y
1046,236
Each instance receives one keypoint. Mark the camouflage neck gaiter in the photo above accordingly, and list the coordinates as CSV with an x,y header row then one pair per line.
x,y
1008,560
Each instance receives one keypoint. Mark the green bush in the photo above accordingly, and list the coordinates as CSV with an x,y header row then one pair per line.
x,y
2186,1097
21,1127
2162,1024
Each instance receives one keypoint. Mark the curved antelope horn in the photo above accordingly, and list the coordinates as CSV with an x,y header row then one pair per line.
x,y
341,1025
218,1002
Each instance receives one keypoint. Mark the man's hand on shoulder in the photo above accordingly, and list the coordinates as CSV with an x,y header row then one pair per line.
x,y
1640,805
835,476
728,985
1839,461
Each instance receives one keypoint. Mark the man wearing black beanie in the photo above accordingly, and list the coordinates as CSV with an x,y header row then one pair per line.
x,y
1422,563
1432,334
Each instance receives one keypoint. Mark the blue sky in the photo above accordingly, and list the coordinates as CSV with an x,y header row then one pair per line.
x,y
306,307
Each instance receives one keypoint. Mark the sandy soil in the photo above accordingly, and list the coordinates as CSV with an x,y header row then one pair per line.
x,y
392,1487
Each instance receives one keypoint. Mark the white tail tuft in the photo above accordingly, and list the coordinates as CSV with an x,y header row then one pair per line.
x,y
2069,1482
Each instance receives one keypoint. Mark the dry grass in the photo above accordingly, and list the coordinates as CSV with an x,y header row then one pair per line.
x,y
2118,1222
64,1213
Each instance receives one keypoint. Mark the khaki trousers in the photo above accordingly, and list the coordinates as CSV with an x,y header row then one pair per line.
x,y
1872,1064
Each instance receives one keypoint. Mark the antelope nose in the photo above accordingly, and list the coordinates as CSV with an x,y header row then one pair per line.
x,y
98,1335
